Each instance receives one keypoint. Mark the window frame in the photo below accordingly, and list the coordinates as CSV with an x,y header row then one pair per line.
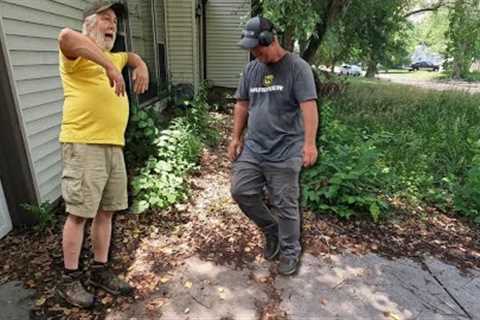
x,y
130,47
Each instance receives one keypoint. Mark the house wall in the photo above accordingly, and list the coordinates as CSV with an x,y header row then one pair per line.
x,y
182,57
31,29
225,60
141,22
5,222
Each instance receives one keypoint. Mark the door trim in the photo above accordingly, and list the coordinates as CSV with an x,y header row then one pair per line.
x,y
16,170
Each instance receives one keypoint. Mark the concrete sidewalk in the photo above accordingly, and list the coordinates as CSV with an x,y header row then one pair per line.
x,y
336,287
15,301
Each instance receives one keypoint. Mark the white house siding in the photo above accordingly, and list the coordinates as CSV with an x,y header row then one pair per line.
x,y
31,29
141,23
160,21
225,60
5,223
180,30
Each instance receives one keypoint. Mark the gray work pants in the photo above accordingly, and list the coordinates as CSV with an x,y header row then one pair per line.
x,y
249,177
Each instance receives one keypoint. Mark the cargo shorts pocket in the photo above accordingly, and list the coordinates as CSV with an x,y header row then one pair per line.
x,y
72,186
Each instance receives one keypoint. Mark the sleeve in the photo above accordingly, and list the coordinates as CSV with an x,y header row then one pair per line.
x,y
304,84
120,59
243,87
67,65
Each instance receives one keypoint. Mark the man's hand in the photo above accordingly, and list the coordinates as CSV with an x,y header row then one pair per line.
x,y
310,155
234,149
140,79
116,80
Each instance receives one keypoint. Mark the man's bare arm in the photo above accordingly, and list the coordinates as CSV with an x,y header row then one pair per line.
x,y
240,117
73,44
310,120
140,74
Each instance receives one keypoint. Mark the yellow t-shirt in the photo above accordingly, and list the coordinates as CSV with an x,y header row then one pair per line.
x,y
92,112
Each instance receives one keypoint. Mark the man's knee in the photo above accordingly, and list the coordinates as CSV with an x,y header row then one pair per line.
x,y
76,220
103,216
247,199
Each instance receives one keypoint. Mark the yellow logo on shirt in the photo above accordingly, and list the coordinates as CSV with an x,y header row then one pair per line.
x,y
268,80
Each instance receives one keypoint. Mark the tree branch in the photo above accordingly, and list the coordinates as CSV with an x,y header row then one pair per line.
x,y
435,7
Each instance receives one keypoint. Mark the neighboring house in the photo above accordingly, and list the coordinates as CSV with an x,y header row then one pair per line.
x,y
182,41
424,53
475,66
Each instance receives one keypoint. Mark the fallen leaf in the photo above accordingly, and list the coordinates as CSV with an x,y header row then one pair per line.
x,y
188,284
391,315
107,300
164,279
40,302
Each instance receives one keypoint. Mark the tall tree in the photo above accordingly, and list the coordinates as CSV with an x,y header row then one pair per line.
x,y
463,36
379,29
303,21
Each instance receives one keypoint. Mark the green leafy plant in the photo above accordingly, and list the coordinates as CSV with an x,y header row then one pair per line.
x,y
43,213
349,177
467,192
173,154
141,133
382,141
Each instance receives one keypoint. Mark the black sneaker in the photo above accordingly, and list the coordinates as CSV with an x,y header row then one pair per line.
x,y
271,248
104,278
72,291
288,265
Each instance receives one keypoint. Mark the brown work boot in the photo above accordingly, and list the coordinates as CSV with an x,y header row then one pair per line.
x,y
102,277
72,291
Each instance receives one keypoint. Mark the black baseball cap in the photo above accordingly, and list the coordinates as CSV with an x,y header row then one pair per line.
x,y
102,5
252,29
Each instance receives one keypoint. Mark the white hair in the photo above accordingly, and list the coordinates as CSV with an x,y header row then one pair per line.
x,y
89,29
89,23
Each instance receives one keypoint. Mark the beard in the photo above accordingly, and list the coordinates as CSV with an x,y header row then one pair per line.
x,y
102,41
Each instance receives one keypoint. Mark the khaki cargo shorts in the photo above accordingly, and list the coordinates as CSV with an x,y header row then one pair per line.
x,y
94,178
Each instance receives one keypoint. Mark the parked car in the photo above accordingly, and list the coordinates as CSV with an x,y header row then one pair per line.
x,y
424,65
350,70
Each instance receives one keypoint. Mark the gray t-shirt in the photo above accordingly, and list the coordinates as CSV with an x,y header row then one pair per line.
x,y
275,122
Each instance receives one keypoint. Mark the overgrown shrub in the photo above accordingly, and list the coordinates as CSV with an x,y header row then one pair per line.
x,y
43,213
467,191
423,139
350,175
174,153
143,128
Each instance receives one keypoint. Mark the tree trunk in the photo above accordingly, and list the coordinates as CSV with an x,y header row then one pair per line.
x,y
287,40
371,69
334,7
334,62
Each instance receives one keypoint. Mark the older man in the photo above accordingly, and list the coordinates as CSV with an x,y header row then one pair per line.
x,y
95,114
277,99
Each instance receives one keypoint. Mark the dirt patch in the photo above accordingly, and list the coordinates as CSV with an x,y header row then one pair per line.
x,y
432,84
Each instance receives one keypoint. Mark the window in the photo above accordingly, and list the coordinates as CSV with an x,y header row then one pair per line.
x,y
146,23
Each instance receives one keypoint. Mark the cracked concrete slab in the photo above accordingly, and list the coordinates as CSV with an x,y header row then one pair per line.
x,y
463,288
15,301
335,287
366,287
